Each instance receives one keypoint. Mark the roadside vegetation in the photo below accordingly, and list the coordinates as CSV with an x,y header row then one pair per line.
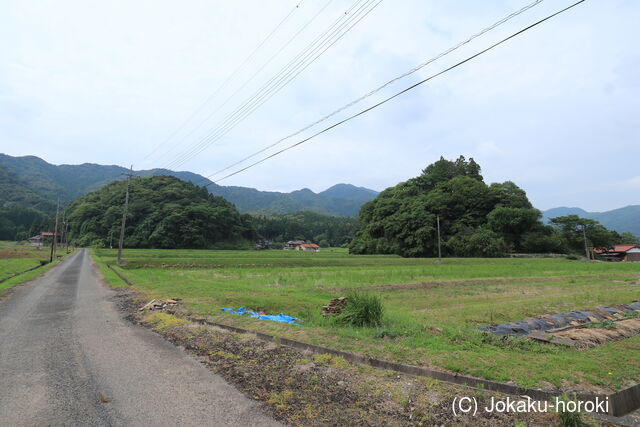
x,y
431,310
15,259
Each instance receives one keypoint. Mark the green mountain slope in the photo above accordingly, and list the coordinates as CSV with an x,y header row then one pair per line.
x,y
31,180
622,220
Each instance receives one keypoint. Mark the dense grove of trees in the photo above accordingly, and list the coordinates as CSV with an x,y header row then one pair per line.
x,y
573,230
19,222
164,212
476,219
321,229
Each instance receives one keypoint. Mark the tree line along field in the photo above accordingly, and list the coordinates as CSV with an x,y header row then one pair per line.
x,y
432,310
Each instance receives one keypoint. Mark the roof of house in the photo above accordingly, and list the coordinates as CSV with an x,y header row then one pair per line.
x,y
295,242
46,233
310,245
616,248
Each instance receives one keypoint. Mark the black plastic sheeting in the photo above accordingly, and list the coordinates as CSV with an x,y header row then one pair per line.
x,y
552,321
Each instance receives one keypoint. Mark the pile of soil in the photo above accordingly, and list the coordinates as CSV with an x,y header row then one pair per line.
x,y
593,337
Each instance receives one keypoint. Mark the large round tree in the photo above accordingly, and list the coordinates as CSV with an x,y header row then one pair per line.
x,y
476,219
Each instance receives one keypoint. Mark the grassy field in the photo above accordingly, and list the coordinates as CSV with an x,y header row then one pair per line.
x,y
432,310
16,258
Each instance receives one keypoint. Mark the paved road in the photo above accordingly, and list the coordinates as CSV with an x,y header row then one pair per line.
x,y
63,344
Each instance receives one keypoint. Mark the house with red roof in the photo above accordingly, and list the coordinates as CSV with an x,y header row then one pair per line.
x,y
309,247
293,245
627,252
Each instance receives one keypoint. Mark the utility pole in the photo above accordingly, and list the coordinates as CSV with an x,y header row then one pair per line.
x,y
439,250
586,247
55,233
124,215
66,236
64,226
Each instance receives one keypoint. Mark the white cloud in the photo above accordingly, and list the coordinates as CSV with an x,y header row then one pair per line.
x,y
633,182
105,82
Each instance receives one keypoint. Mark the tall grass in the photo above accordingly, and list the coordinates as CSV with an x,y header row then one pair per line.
x,y
362,310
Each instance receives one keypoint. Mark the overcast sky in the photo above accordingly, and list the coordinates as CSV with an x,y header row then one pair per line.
x,y
556,110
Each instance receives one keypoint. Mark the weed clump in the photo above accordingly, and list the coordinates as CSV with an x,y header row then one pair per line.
x,y
362,310
161,321
569,418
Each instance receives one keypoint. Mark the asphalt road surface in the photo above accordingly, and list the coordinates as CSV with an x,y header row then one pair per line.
x,y
68,358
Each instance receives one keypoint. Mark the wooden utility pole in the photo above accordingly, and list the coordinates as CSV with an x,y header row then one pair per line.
x,y
586,247
124,214
66,236
439,250
55,233
63,227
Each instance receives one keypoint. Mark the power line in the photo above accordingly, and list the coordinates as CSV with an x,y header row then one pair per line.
x,y
253,76
280,80
275,82
378,89
227,80
384,101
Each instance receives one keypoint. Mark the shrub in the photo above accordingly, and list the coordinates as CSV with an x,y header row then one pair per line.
x,y
569,418
362,310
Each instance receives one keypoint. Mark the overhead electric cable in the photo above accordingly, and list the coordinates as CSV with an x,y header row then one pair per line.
x,y
383,86
253,76
226,81
278,81
384,101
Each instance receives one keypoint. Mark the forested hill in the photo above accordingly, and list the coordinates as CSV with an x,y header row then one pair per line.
x,y
450,208
164,212
30,180
622,220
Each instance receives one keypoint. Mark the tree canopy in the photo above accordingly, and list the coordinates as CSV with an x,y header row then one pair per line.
x,y
322,229
164,212
476,219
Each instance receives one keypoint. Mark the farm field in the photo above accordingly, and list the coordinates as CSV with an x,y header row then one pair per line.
x,y
431,310
15,258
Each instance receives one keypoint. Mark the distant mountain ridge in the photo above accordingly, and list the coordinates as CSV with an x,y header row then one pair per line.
x,y
620,220
31,180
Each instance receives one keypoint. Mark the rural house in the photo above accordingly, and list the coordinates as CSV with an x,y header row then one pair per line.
x,y
40,239
292,245
312,247
627,252
300,245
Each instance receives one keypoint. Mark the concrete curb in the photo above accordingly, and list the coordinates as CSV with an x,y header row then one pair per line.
x,y
124,279
620,403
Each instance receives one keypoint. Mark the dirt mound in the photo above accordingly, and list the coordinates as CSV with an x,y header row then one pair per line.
x,y
593,337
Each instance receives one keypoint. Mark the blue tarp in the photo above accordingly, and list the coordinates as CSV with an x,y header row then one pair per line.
x,y
282,318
